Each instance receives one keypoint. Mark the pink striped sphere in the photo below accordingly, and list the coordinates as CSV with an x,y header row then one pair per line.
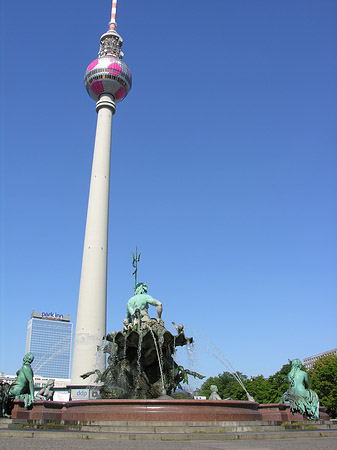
x,y
108,75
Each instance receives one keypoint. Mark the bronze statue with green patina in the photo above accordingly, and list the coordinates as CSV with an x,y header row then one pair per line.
x,y
302,399
135,261
138,305
4,393
140,361
23,386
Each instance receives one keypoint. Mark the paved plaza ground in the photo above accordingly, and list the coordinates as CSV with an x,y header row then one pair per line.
x,y
14,443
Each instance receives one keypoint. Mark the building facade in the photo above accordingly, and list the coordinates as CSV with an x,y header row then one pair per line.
x,y
49,338
39,382
309,362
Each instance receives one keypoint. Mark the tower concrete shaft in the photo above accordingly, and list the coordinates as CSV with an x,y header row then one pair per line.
x,y
107,80
91,312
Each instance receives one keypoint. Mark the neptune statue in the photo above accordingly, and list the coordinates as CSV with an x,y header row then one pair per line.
x,y
138,305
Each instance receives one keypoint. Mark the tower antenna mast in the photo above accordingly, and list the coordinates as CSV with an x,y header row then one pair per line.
x,y
113,23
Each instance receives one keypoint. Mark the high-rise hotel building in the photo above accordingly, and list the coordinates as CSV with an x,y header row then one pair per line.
x,y
49,338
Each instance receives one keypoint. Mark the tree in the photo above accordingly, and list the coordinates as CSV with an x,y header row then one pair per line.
x,y
258,388
227,386
323,380
278,384
264,390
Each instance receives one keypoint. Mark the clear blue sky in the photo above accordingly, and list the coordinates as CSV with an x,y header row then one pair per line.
x,y
223,170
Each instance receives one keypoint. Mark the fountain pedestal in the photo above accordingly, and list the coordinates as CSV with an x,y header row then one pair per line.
x,y
280,412
139,410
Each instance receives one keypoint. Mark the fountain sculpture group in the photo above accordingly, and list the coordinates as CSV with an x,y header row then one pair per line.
x,y
141,361
141,365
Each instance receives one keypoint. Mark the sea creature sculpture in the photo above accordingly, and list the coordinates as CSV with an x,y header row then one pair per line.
x,y
47,392
214,393
302,400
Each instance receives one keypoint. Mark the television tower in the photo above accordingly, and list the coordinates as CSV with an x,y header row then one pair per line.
x,y
108,81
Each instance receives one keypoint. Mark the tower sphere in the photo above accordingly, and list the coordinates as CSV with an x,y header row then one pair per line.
x,y
108,75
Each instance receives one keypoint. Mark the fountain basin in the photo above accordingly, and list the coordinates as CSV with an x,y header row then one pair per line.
x,y
139,410
281,412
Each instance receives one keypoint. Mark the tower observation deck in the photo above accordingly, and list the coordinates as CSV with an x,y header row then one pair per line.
x,y
108,81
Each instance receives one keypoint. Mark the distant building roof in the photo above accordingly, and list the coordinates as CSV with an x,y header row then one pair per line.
x,y
309,362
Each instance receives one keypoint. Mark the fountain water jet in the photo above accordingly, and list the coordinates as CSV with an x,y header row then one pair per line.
x,y
159,356
227,364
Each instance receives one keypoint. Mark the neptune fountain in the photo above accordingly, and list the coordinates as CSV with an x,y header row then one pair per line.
x,y
141,361
142,376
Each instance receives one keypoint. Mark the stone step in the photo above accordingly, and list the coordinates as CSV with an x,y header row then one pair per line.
x,y
177,428
128,423
166,427
5,423
66,435
159,423
173,429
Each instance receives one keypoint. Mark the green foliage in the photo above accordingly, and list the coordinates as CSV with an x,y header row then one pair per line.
x,y
278,384
227,386
180,395
258,388
264,390
323,380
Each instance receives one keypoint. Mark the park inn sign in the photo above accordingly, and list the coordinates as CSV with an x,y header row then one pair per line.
x,y
51,316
